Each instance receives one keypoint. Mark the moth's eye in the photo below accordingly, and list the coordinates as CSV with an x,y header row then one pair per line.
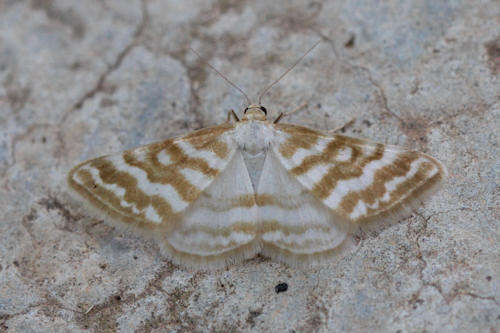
x,y
264,110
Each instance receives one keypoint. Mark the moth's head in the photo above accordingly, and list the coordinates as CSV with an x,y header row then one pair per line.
x,y
254,112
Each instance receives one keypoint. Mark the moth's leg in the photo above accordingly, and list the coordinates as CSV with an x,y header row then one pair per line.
x,y
232,113
349,123
283,114
278,118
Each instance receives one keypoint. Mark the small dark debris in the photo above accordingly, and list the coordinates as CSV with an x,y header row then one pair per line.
x,y
488,278
367,123
135,257
52,203
31,216
17,98
103,266
417,302
107,102
318,105
76,65
16,263
493,51
350,42
118,298
44,139
281,287
251,317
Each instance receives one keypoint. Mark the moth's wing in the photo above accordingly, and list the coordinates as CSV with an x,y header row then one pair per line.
x,y
157,189
219,228
295,227
357,180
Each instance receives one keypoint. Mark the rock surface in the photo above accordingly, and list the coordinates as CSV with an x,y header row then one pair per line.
x,y
80,79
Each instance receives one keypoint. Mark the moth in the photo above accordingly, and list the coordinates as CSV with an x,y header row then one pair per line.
x,y
223,194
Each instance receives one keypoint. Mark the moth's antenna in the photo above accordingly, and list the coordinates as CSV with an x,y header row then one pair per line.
x,y
287,71
221,75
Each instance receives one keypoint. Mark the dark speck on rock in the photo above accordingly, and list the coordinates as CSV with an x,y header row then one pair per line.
x,y
350,42
367,123
281,287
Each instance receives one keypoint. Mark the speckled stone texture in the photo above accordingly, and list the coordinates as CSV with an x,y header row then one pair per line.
x,y
80,79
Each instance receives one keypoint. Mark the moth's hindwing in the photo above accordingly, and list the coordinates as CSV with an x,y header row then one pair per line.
x,y
220,227
357,179
295,226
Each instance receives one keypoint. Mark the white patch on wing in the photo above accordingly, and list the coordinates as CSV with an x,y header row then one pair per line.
x,y
302,153
314,175
152,214
344,154
219,219
210,157
368,149
117,190
163,157
205,244
303,212
359,210
127,204
308,242
195,177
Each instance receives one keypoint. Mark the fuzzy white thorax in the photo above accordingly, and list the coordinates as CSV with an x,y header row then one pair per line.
x,y
253,138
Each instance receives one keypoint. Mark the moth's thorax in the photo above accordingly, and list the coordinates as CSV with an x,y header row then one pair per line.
x,y
253,136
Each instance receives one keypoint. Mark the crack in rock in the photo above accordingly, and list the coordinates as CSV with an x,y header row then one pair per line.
x,y
456,290
99,86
